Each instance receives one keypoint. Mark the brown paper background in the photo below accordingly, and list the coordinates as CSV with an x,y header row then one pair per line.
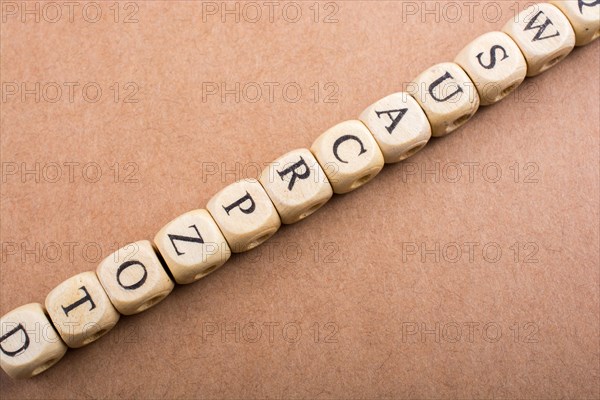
x,y
346,276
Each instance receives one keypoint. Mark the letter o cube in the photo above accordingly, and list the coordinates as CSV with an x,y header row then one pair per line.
x,y
134,278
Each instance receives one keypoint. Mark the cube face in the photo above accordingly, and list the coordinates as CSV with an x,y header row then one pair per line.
x,y
543,34
245,214
349,155
584,17
29,345
399,125
134,278
192,245
296,184
495,64
447,95
81,310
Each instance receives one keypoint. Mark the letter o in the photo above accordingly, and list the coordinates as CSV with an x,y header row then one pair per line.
x,y
496,7
297,8
486,255
85,253
47,252
498,175
451,339
256,87
258,12
256,328
57,12
498,329
445,12
126,265
97,9
95,178
57,89
458,255
297,329
87,97
52,178
298,92
297,252
457,176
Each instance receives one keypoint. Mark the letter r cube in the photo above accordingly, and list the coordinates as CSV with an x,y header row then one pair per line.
x,y
296,184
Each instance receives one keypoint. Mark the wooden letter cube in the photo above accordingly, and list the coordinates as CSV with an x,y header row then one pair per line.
x,y
399,126
134,278
447,95
349,155
245,214
296,184
81,310
495,64
192,245
543,34
584,17
29,345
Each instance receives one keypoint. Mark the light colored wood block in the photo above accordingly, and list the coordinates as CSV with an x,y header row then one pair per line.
x,y
81,310
192,246
245,214
399,125
134,278
584,17
349,155
296,184
447,95
495,64
29,345
543,34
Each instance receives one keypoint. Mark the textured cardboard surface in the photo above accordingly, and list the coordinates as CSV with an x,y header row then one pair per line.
x,y
422,284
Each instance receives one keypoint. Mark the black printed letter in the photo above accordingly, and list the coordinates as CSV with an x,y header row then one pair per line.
x,y
126,265
341,140
395,120
182,238
437,82
295,175
239,203
541,28
584,4
79,302
9,334
492,63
